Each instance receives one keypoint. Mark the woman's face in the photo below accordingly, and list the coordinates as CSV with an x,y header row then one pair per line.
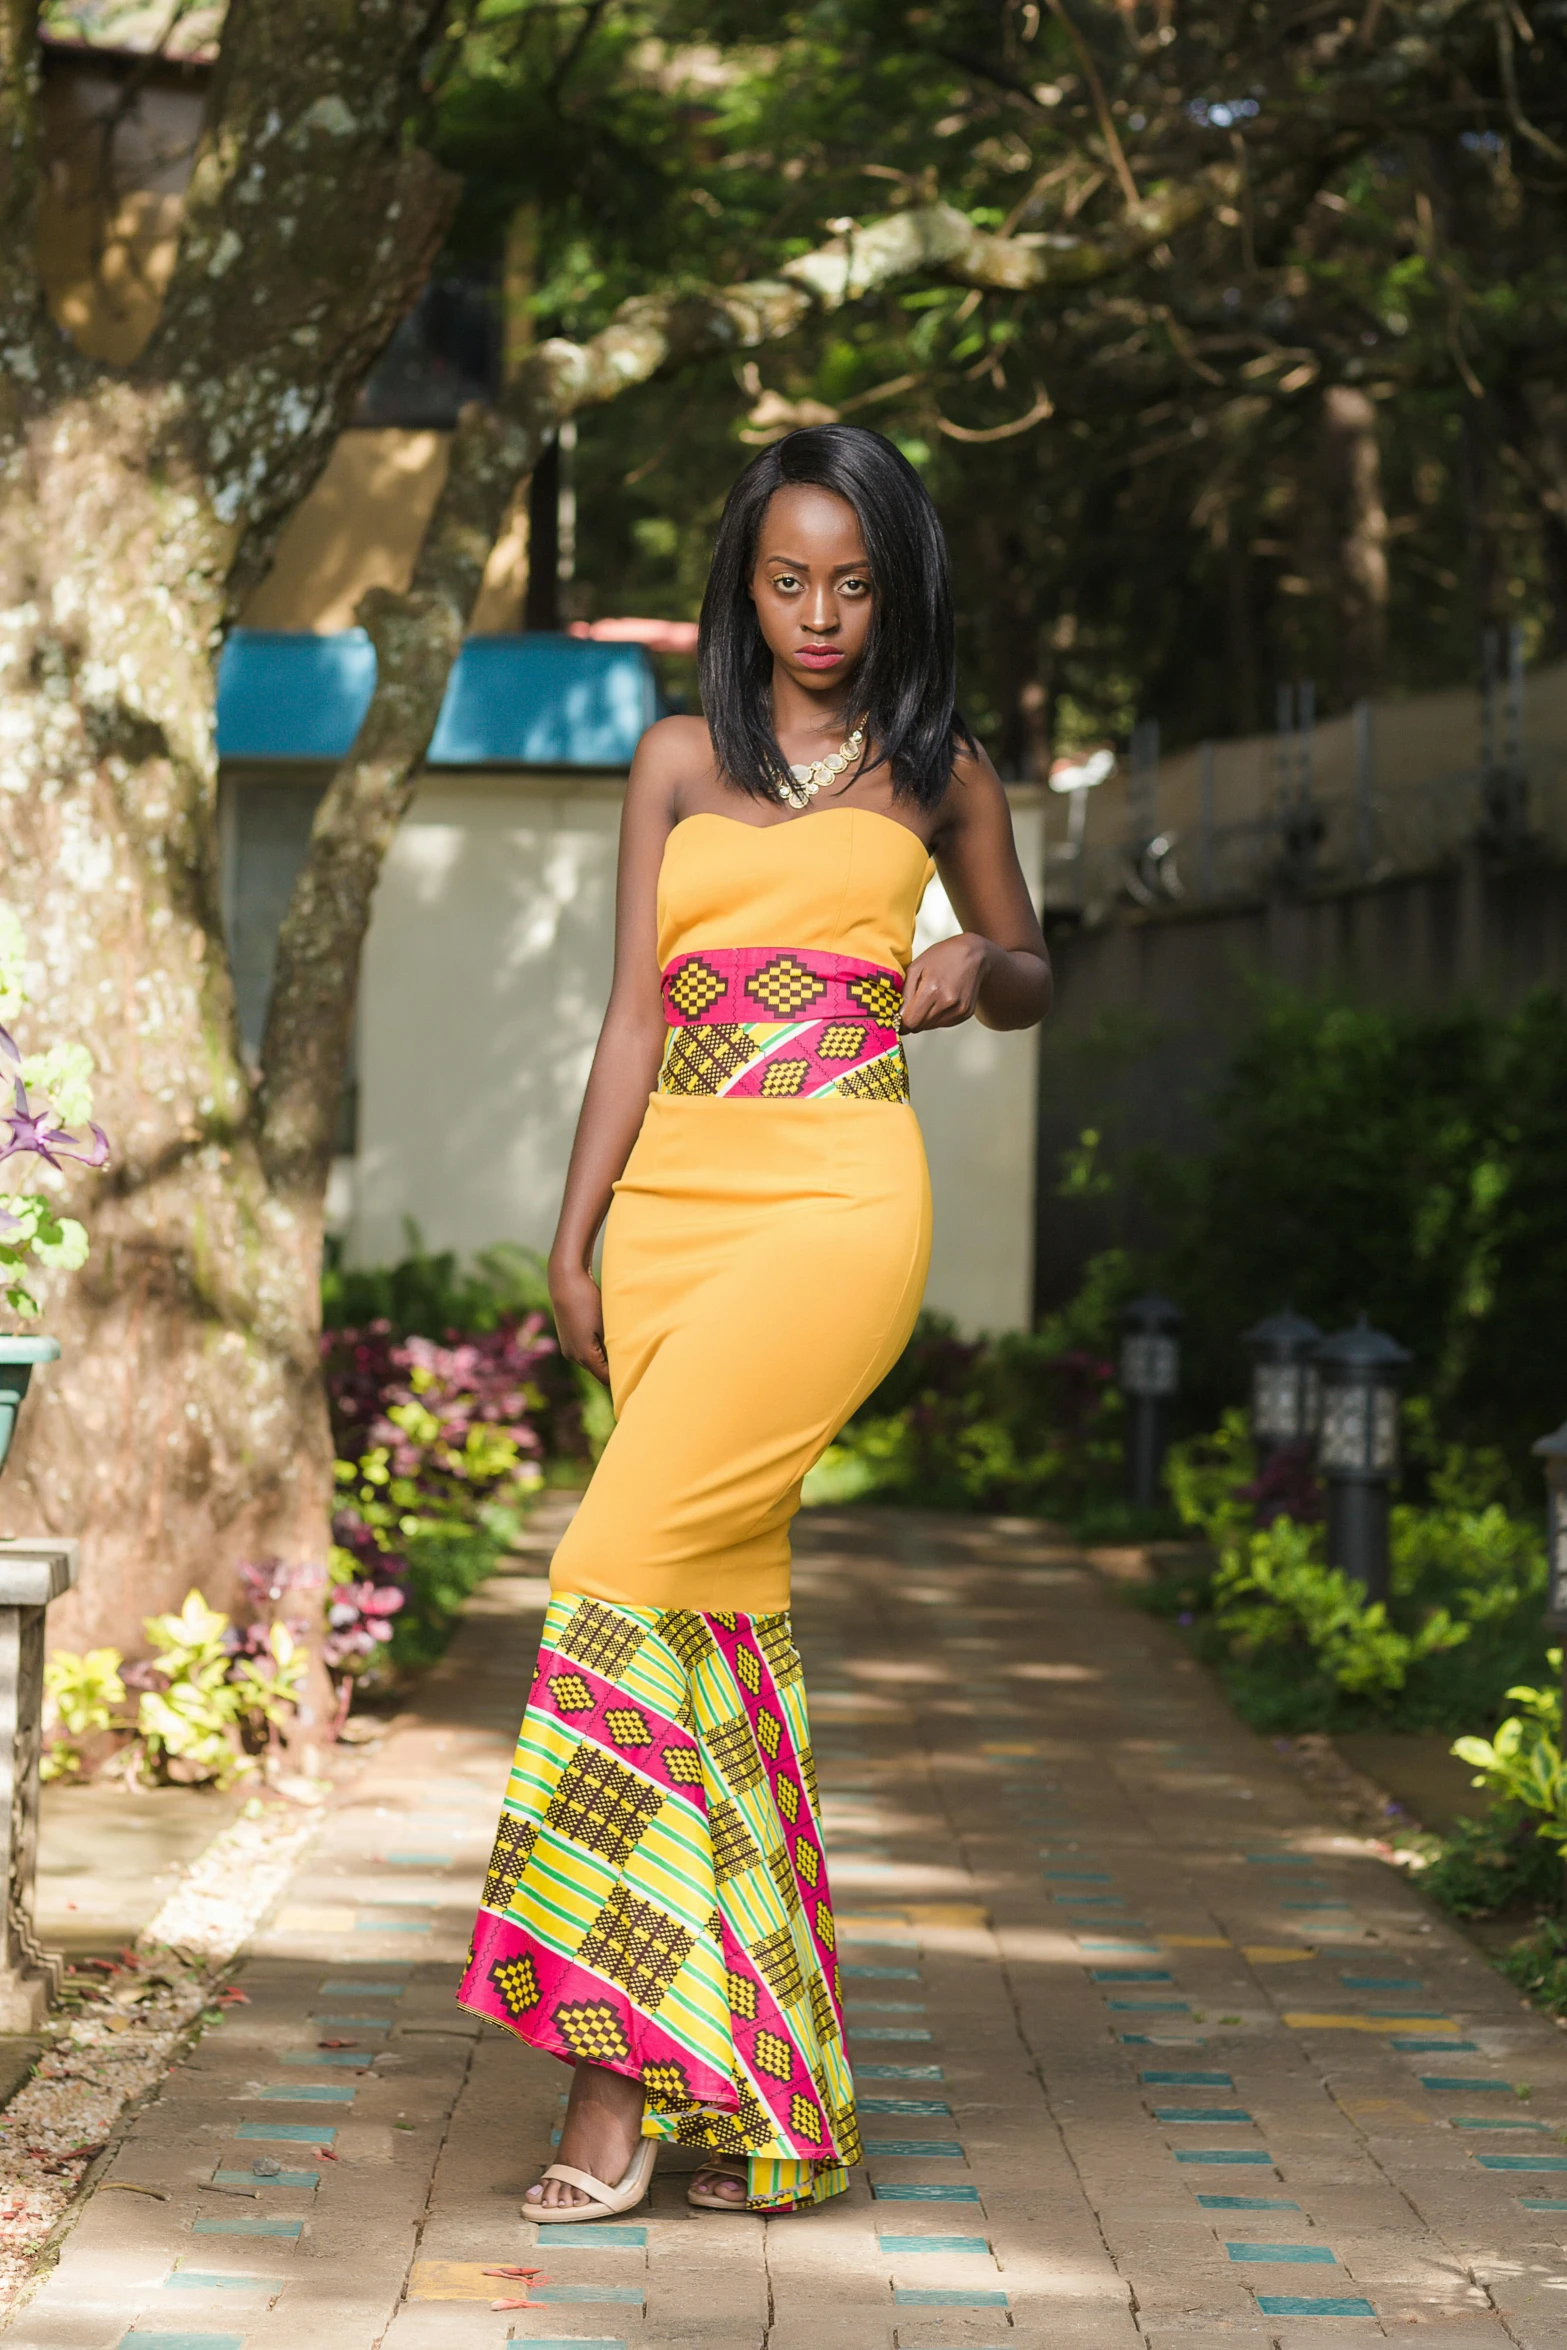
x,y
811,586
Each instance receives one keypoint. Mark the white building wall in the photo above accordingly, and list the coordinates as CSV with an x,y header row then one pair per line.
x,y
486,972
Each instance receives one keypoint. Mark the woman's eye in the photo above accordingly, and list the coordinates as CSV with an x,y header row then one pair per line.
x,y
785,579
856,587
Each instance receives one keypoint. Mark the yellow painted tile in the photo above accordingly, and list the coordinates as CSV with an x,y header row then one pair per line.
x,y
1268,1954
1424,2025
1195,1941
456,2280
1390,2112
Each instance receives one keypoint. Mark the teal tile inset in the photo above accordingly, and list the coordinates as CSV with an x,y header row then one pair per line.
x,y
581,2239
1147,1974
352,1987
218,2226
1435,2047
356,2058
352,2023
1186,2080
393,1926
1148,2006
899,2072
931,2149
1279,2255
197,2280
898,2246
306,2133
283,2178
880,1974
585,2293
1382,1982
140,2339
1079,1877
308,2093
1237,2155
916,2297
922,2105
1308,2305
1522,2161
417,1860
1455,2084
1477,2121
577,2341
889,2032
1200,2114
1542,2203
1245,2203
923,2194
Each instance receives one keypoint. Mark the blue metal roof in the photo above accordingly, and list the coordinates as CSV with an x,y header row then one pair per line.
x,y
513,701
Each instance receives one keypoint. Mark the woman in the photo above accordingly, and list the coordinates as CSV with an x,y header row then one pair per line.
x,y
656,1911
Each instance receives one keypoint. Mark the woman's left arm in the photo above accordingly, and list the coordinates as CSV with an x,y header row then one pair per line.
x,y
998,968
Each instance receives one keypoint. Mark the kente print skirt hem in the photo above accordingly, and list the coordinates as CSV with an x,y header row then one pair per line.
x,y
657,1898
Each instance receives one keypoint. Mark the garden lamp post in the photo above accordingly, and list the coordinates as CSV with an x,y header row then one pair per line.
x,y
1553,1451
1361,1372
1150,1377
1284,1385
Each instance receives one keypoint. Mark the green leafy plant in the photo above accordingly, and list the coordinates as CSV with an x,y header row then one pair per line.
x,y
1277,1597
201,1715
51,1093
1493,1863
83,1695
1521,1762
1538,1965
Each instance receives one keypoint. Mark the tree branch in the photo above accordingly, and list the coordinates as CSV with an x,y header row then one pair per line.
x,y
20,293
418,635
310,225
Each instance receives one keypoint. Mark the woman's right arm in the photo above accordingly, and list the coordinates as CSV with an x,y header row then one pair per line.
x,y
631,1041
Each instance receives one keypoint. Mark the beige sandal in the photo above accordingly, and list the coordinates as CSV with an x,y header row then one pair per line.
x,y
608,2202
725,2166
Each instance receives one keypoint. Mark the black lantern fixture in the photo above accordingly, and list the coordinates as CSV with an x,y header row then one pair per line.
x,y
1150,1380
1285,1389
1553,1451
1361,1372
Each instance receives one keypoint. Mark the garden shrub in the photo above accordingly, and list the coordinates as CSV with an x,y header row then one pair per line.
x,y
1300,1647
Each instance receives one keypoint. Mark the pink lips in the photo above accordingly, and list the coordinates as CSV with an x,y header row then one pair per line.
x,y
819,656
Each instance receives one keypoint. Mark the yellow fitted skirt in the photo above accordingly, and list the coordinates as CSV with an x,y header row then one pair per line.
x,y
763,1266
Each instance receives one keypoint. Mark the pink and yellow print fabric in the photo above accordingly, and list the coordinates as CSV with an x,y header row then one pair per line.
x,y
782,1023
657,1898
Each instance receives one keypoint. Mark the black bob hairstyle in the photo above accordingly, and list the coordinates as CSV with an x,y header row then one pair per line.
x,y
905,688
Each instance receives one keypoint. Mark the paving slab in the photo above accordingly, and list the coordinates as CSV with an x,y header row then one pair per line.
x,y
1224,2103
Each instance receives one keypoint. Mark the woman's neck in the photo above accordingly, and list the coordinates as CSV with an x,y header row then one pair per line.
x,y
802,715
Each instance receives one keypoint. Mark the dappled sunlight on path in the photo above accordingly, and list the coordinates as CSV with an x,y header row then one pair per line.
x,y
1149,2051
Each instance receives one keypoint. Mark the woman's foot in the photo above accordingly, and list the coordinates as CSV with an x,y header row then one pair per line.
x,y
724,2179
601,2134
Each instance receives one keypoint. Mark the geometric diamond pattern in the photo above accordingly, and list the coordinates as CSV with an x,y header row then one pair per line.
x,y
683,1631
514,1840
807,1860
877,995
783,1077
704,1059
602,1638
734,1850
773,2056
695,985
592,2031
783,1877
840,1040
571,1694
733,1749
599,1803
778,1964
883,1080
769,1733
628,1726
775,1639
785,988
517,1983
787,1797
684,1765
741,1992
638,1945
748,1670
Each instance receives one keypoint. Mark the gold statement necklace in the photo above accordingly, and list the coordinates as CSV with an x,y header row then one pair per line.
x,y
806,781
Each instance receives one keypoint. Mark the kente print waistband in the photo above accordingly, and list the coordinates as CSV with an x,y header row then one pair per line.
x,y
782,1023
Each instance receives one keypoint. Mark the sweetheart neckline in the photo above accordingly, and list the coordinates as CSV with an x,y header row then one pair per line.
x,y
793,823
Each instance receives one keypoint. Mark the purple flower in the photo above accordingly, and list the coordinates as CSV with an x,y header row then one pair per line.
x,y
39,1137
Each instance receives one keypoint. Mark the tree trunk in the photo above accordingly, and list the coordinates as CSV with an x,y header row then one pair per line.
x,y
1355,465
183,1426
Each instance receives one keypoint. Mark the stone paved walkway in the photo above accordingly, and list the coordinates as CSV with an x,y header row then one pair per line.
x,y
1148,2054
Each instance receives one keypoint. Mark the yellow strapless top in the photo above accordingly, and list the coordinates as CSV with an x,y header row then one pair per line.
x,y
843,881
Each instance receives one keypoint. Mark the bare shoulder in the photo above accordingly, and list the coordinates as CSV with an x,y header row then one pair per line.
x,y
975,796
676,750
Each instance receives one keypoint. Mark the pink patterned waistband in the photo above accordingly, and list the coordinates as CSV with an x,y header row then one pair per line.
x,y
747,984
782,1022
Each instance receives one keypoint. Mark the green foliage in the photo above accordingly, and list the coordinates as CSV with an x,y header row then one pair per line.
x,y
430,1292
1297,1643
1026,1422
82,1697
1538,1965
1521,1764
1405,1163
1490,1864
194,1724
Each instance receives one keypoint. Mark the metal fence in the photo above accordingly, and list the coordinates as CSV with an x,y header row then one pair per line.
x,y
1170,835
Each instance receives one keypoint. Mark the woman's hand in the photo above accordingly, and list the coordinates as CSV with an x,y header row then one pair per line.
x,y
943,984
579,1319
